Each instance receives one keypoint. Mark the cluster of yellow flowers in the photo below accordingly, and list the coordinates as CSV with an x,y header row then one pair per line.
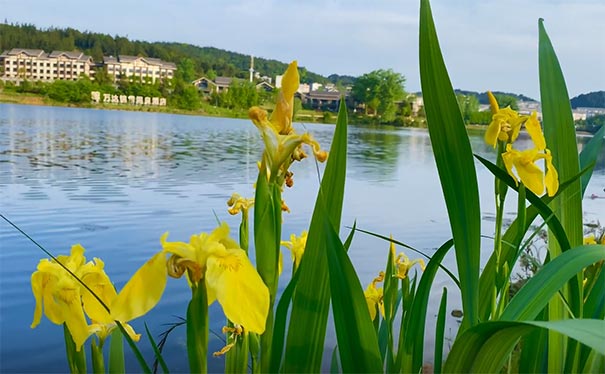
x,y
401,267
506,126
213,258
65,300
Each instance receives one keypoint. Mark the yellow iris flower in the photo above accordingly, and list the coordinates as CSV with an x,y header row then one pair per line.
x,y
282,144
403,265
65,300
237,204
374,296
590,239
218,261
505,125
296,245
530,174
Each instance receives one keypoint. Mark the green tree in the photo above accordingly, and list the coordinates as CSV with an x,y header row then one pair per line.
x,y
380,91
507,100
185,71
468,104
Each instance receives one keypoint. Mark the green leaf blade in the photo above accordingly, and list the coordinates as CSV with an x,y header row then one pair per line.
x,y
309,317
455,163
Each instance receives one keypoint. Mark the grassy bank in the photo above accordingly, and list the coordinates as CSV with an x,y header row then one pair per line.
x,y
207,109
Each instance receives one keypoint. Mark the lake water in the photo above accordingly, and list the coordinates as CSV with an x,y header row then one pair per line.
x,y
115,181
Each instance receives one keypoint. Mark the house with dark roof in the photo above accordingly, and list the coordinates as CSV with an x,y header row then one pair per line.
x,y
320,100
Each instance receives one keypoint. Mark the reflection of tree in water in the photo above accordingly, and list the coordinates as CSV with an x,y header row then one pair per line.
x,y
380,152
375,152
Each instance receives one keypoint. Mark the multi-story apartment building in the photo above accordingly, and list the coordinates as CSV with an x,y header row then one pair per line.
x,y
144,68
37,65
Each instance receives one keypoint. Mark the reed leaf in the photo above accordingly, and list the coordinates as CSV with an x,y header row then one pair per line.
x,y
156,351
308,321
485,348
455,164
537,292
414,333
440,333
560,135
357,340
281,318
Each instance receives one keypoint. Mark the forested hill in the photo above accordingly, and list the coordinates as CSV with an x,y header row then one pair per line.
x,y
483,99
207,60
589,100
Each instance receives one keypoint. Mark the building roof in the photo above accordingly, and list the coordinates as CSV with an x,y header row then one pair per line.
x,y
223,81
28,52
148,60
324,95
75,55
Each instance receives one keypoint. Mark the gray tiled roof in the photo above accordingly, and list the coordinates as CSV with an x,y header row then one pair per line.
x,y
29,52
75,55
223,81
149,60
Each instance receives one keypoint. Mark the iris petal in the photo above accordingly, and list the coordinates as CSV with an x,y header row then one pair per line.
x,y
239,289
143,291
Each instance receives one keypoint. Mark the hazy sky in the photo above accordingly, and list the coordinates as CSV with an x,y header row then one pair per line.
x,y
487,44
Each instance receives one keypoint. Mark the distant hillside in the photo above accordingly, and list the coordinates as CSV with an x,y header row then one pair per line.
x,y
482,97
589,100
206,60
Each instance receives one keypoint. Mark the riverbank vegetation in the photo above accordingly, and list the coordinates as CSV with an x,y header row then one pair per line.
x,y
553,323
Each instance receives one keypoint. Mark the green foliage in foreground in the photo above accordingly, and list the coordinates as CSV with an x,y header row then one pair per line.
x,y
554,323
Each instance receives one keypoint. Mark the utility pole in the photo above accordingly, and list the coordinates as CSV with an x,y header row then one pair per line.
x,y
251,68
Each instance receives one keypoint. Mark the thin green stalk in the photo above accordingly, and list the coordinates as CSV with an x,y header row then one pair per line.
x,y
96,354
197,329
75,359
500,196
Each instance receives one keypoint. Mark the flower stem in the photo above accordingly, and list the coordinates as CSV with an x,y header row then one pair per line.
x,y
197,329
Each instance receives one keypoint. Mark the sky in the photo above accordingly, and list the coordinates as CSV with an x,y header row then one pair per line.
x,y
487,44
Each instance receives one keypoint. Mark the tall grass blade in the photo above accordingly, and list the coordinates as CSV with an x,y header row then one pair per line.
x,y
414,334
135,349
307,328
357,340
156,351
454,158
440,333
281,317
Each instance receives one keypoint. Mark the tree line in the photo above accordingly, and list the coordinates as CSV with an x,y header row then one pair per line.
x,y
205,60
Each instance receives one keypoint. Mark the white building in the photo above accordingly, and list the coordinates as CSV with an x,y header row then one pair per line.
x,y
145,68
37,65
